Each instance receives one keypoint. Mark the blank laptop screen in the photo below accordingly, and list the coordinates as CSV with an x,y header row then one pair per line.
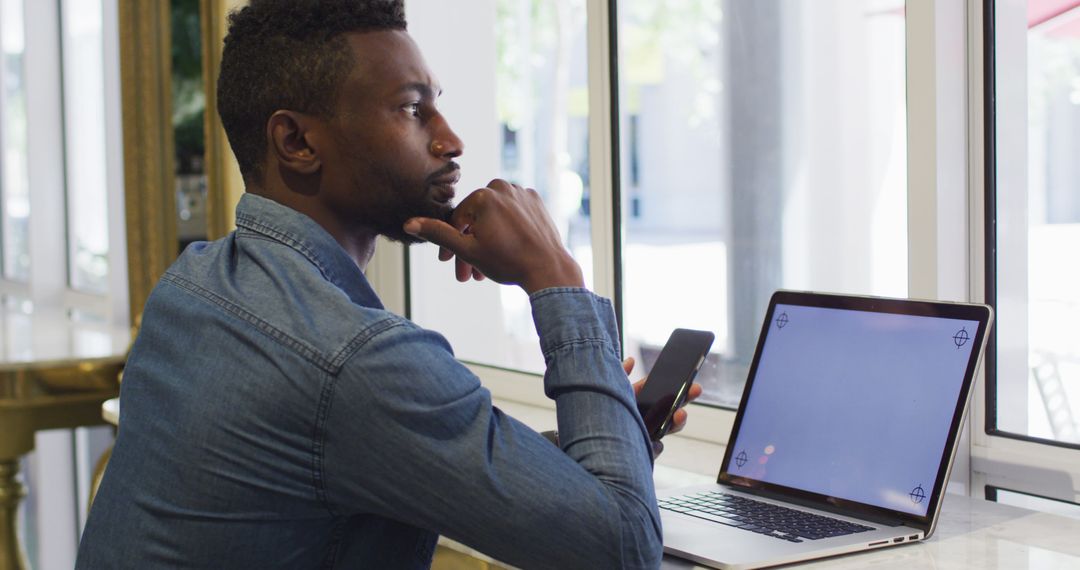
x,y
853,404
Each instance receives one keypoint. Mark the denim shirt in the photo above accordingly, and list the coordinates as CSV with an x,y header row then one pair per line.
x,y
275,415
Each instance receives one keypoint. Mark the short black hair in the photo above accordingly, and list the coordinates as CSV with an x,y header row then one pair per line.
x,y
289,54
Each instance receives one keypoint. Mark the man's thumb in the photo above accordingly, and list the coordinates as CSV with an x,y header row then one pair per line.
x,y
435,231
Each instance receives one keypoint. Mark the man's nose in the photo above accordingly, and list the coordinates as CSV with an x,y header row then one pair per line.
x,y
445,143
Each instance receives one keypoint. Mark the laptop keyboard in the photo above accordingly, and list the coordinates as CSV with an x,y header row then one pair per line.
x,y
763,518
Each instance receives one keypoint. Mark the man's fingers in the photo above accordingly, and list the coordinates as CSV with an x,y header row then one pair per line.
x,y
437,232
628,365
678,421
695,391
464,270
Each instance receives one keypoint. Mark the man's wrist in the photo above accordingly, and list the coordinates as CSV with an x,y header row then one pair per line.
x,y
569,315
565,274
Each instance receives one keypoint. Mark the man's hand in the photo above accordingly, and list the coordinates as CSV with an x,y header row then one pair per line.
x,y
503,232
678,421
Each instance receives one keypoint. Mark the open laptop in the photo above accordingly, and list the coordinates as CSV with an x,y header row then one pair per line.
x,y
845,434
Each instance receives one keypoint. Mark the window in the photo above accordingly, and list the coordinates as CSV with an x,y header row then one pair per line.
x,y
516,89
763,147
1033,502
1037,385
189,109
59,121
869,147
84,137
1031,423
15,195
758,148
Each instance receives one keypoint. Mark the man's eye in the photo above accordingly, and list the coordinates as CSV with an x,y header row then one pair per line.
x,y
413,109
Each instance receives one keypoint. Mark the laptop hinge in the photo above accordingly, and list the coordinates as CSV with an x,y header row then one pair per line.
x,y
848,511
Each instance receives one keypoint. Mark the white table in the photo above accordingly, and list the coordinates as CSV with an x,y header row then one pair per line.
x,y
971,534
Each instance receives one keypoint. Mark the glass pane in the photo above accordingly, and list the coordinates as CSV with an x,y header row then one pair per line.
x,y
1038,225
1037,503
84,134
189,106
15,196
763,147
522,110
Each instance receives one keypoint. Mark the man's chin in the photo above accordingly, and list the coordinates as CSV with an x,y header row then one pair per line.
x,y
443,211
436,210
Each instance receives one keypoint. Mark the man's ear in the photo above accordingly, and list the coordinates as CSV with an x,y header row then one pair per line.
x,y
289,134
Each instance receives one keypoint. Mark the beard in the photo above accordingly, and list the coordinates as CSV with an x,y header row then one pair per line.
x,y
394,197
406,210
408,203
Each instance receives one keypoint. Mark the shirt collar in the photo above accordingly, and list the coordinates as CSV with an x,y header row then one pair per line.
x,y
285,225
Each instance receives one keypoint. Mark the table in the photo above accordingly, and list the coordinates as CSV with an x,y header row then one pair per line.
x,y
971,534
54,373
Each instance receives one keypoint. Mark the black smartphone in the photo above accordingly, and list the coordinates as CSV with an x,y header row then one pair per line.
x,y
669,380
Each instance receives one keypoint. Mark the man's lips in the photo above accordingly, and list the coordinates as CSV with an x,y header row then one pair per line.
x,y
444,185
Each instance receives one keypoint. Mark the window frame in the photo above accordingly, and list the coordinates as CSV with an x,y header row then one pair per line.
x,y
1001,459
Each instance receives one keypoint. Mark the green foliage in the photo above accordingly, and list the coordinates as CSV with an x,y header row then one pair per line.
x,y
652,35
683,33
526,37
189,99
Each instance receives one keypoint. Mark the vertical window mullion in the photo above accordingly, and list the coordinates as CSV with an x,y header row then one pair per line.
x,y
937,151
114,156
65,135
3,149
45,143
922,158
85,152
603,161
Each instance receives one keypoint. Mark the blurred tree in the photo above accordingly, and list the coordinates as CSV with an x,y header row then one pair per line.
x,y
189,100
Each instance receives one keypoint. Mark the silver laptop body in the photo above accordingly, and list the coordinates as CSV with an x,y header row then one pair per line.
x,y
852,410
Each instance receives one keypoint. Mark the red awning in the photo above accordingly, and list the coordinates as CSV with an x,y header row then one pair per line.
x,y
1040,11
1060,18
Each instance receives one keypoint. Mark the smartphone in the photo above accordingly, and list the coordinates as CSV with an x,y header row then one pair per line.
x,y
669,380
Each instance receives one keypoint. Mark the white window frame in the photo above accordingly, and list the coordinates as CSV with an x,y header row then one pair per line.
x,y
997,461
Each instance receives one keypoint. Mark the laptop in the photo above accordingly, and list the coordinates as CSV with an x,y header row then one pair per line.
x,y
845,434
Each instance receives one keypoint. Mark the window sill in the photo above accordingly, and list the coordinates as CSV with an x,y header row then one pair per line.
x,y
684,461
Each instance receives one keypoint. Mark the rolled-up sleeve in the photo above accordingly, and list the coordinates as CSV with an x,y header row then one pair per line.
x,y
411,435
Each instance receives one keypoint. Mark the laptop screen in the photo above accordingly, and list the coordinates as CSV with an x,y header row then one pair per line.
x,y
853,404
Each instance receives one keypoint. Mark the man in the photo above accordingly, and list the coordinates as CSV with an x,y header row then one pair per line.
x,y
274,415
